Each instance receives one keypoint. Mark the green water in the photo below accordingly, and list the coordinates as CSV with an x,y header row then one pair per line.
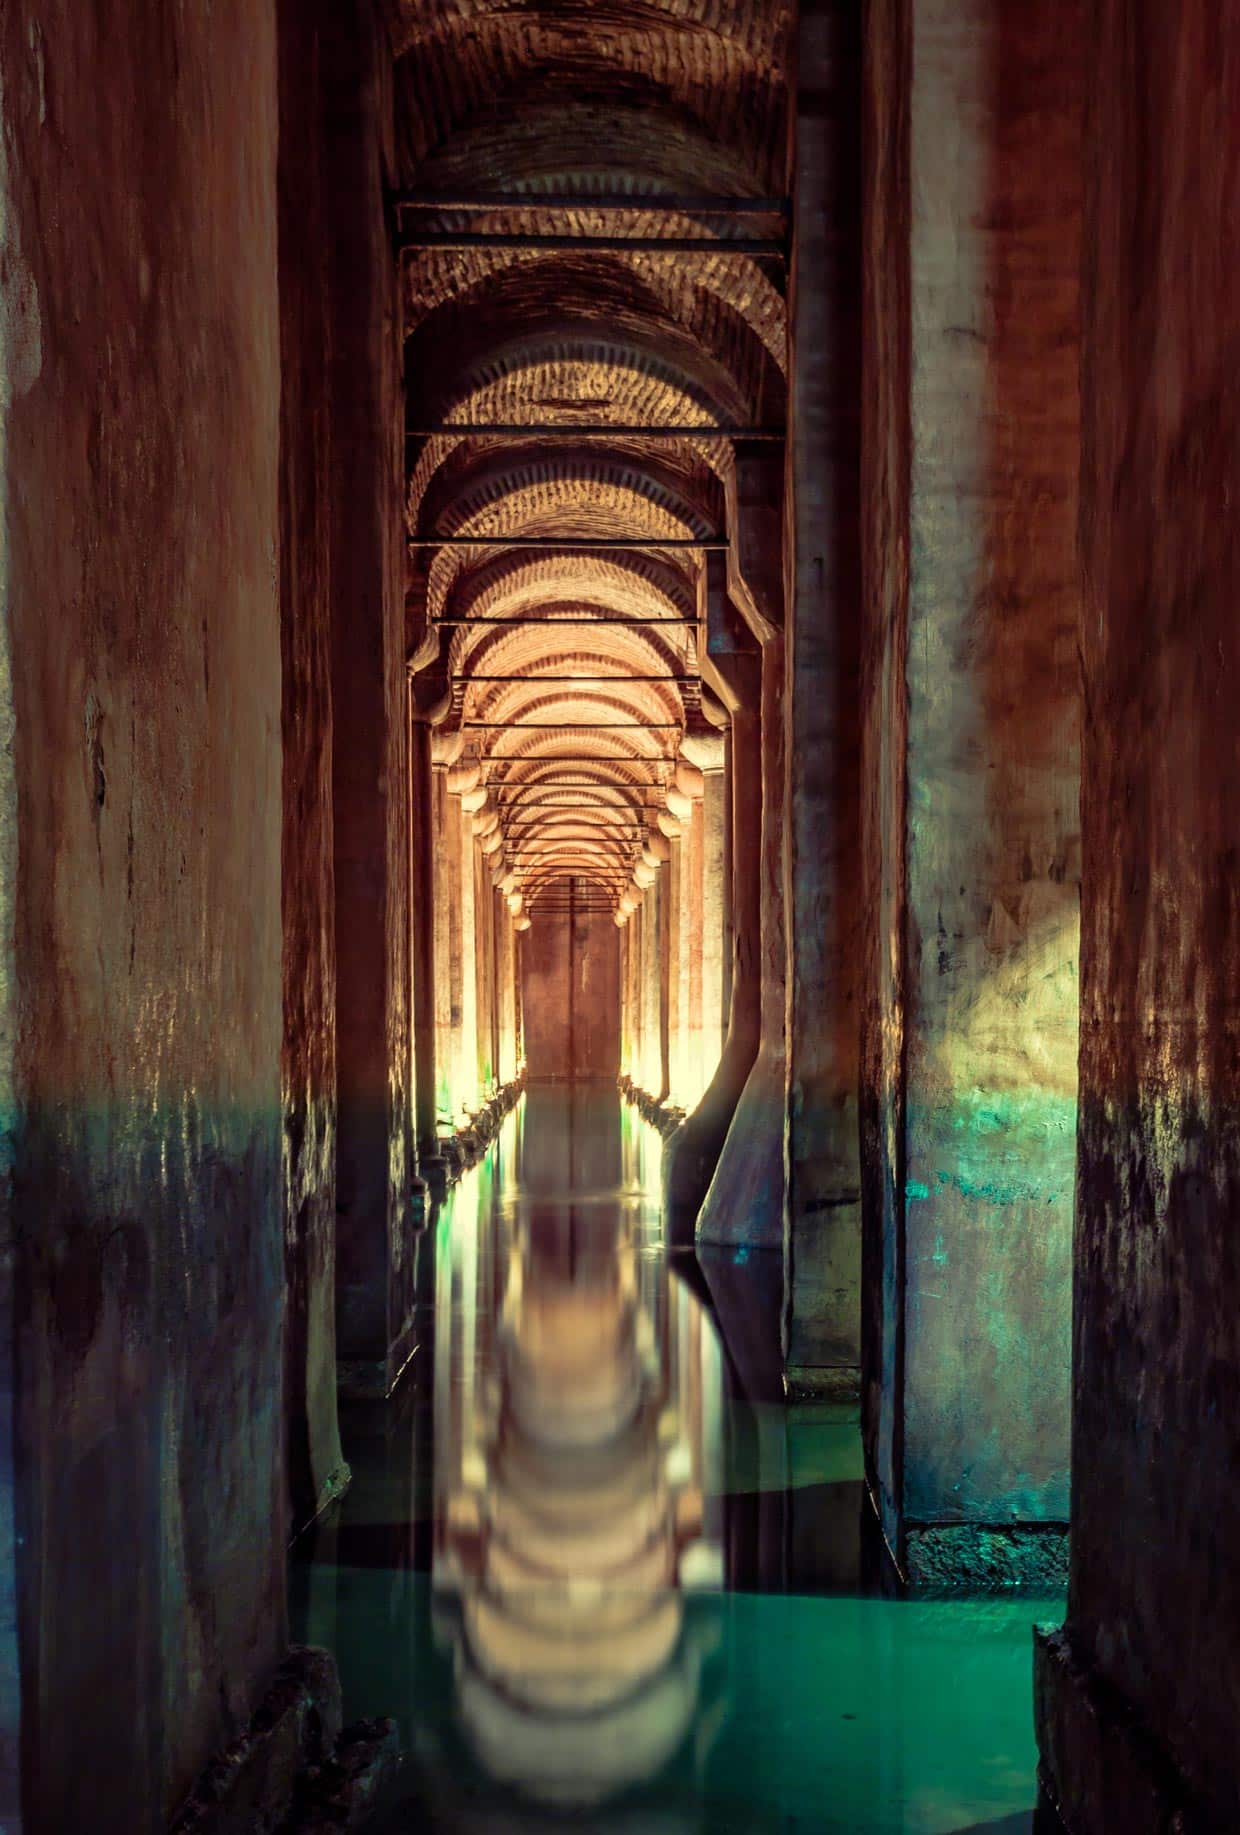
x,y
602,1581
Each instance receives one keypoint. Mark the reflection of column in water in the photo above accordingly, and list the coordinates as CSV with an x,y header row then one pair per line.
x,y
566,1547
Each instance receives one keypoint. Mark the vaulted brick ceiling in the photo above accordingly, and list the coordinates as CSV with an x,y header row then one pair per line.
x,y
629,99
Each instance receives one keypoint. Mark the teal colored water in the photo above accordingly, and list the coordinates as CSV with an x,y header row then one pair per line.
x,y
603,1576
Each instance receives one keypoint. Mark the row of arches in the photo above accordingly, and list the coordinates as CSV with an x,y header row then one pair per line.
x,y
603,370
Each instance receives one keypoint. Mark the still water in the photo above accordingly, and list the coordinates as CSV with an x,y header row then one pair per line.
x,y
604,1578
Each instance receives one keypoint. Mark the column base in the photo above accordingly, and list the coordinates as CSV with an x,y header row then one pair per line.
x,y
294,1767
433,1170
1100,1770
419,1204
986,1557
971,1559
744,1204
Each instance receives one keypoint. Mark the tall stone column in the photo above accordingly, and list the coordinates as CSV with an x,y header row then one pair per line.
x,y
626,998
316,1469
445,839
661,1032
745,1201
506,976
691,932
422,780
142,995
971,778
466,1095
822,861
484,930
1138,1700
714,921
692,1153
518,985
370,760
670,881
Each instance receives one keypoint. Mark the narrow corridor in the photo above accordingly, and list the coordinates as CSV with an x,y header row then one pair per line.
x,y
619,916
599,1572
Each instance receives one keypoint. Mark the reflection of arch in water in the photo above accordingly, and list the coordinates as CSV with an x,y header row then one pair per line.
x,y
562,1537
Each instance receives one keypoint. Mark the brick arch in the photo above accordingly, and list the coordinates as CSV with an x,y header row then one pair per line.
x,y
511,490
720,69
637,98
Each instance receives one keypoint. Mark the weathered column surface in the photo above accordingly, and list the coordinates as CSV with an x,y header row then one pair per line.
x,y
1138,1705
692,1153
466,1096
823,650
316,1470
448,956
424,941
140,895
370,759
746,1199
506,974
484,972
692,927
671,880
715,902
971,778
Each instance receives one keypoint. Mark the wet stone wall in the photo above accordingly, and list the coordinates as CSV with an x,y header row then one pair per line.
x,y
139,461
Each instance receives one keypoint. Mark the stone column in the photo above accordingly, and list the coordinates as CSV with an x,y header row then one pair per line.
x,y
971,779
652,994
370,760
630,940
445,837
483,981
506,966
316,1469
691,935
692,1153
484,966
745,1202
713,922
637,952
422,778
822,860
1138,1700
729,882
670,880
518,985
142,995
466,1094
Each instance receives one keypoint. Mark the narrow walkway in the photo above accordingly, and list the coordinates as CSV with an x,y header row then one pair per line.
x,y
604,1579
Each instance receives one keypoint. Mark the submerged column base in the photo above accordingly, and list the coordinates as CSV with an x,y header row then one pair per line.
x,y
1100,1769
294,1768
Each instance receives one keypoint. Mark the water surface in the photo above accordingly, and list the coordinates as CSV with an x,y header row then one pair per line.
x,y
604,1577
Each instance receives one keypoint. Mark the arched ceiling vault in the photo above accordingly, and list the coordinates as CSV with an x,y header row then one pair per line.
x,y
571,672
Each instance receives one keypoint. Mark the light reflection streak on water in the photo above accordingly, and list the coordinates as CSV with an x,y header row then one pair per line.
x,y
576,1430
605,1578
